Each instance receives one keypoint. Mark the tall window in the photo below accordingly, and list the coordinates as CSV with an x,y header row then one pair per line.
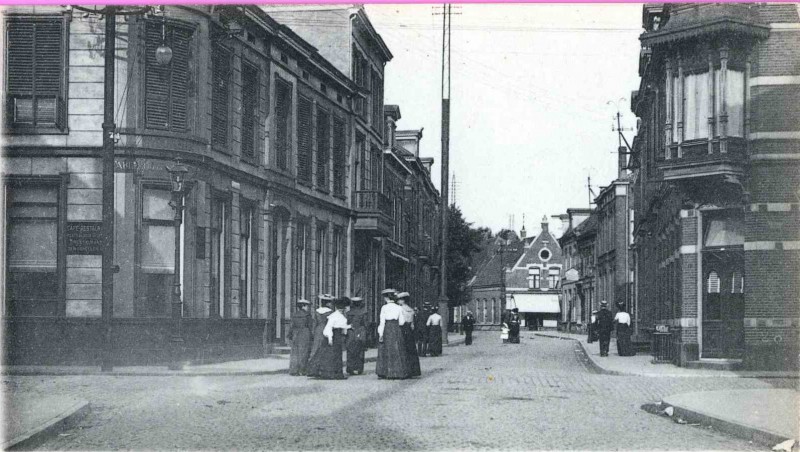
x,y
377,103
364,159
250,102
320,258
697,99
283,123
304,134
323,148
35,85
552,278
534,278
338,255
694,102
157,251
339,155
222,62
375,163
167,86
219,237
247,253
32,278
300,267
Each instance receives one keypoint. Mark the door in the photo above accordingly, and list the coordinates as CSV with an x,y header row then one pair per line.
x,y
723,304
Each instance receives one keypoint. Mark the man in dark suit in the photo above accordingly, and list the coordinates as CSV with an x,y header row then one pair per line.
x,y
604,326
468,323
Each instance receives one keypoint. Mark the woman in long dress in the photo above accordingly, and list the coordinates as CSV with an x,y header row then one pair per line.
x,y
357,337
434,335
513,327
409,336
392,361
330,352
300,335
623,321
320,320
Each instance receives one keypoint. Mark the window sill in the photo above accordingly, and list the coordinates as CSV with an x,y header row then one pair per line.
x,y
12,130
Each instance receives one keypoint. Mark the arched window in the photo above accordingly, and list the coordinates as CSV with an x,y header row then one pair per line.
x,y
713,282
737,283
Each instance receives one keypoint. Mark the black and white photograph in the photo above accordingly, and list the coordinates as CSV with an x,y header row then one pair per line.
x,y
412,226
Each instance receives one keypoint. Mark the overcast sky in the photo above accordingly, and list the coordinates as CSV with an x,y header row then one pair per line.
x,y
531,84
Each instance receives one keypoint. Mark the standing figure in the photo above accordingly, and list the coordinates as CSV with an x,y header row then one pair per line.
x,y
434,334
513,327
320,320
300,335
330,352
605,323
468,322
357,337
409,335
392,361
623,321
592,329
421,330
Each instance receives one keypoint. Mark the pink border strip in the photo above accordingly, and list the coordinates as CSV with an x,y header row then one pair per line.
x,y
246,2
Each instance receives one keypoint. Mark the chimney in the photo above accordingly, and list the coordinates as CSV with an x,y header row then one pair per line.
x,y
545,225
622,162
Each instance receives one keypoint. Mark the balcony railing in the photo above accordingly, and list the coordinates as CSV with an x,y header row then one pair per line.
x,y
701,158
373,201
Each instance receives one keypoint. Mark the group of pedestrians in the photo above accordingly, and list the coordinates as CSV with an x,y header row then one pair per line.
x,y
602,324
509,331
339,324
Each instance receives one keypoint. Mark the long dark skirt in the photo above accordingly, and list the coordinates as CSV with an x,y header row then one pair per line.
x,y
355,354
411,350
392,360
624,345
330,357
435,340
513,333
301,350
468,338
592,333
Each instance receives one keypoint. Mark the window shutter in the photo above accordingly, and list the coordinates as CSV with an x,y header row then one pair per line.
x,y
156,81
250,100
323,147
304,139
220,95
181,39
283,102
338,155
167,86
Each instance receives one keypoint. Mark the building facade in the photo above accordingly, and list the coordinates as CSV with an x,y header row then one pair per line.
x,y
715,181
272,132
577,281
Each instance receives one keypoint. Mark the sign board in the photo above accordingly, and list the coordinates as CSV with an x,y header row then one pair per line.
x,y
662,329
84,237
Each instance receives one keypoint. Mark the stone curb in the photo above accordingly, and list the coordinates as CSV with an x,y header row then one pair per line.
x,y
6,371
589,360
746,432
50,427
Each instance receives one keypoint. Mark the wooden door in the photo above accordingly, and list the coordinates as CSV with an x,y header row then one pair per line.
x,y
723,304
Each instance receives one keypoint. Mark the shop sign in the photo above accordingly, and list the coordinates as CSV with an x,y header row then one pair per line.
x,y
135,166
663,329
84,237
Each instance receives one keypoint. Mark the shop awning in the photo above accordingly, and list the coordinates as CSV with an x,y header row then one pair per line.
x,y
538,303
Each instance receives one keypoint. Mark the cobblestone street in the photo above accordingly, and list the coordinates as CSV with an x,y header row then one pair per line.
x,y
536,395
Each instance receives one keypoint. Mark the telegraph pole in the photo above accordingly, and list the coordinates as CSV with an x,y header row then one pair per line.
x,y
444,305
107,272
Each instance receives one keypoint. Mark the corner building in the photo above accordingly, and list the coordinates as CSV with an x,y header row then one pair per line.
x,y
716,181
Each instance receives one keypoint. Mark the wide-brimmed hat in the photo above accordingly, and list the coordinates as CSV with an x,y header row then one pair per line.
x,y
603,303
403,295
388,292
356,300
303,301
341,303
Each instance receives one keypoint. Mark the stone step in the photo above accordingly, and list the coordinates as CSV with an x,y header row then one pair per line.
x,y
281,350
715,364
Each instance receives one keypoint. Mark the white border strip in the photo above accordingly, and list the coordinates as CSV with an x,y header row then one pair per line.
x,y
780,26
775,80
755,157
783,135
688,249
772,207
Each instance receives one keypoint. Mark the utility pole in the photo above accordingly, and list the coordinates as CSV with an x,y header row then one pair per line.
x,y
109,128
444,302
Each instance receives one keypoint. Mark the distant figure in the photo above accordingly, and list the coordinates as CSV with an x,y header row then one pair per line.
x,y
421,330
300,335
434,334
357,337
513,327
392,361
605,324
330,352
409,335
623,321
320,320
468,323
591,328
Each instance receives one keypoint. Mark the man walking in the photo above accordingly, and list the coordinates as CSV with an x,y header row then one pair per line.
x,y
357,338
468,323
605,324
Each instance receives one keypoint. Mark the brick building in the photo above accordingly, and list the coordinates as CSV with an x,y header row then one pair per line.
x,y
577,280
272,130
716,181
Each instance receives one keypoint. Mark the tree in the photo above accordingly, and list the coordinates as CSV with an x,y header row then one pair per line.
x,y
463,242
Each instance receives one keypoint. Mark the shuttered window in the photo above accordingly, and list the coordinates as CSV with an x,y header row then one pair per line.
x,y
304,136
167,86
339,155
35,85
222,62
323,148
377,103
250,103
283,112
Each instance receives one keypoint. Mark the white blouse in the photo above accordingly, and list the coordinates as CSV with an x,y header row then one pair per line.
x,y
335,320
434,319
390,311
408,314
623,317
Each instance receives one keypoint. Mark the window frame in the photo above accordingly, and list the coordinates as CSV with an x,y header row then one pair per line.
x,y
62,100
219,51
139,295
283,157
255,115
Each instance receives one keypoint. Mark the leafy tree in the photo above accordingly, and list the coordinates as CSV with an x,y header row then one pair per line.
x,y
462,242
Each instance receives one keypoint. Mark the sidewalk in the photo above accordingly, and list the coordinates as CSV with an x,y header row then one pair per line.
x,y
765,416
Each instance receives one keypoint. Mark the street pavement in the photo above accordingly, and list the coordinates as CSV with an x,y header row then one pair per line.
x,y
540,394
